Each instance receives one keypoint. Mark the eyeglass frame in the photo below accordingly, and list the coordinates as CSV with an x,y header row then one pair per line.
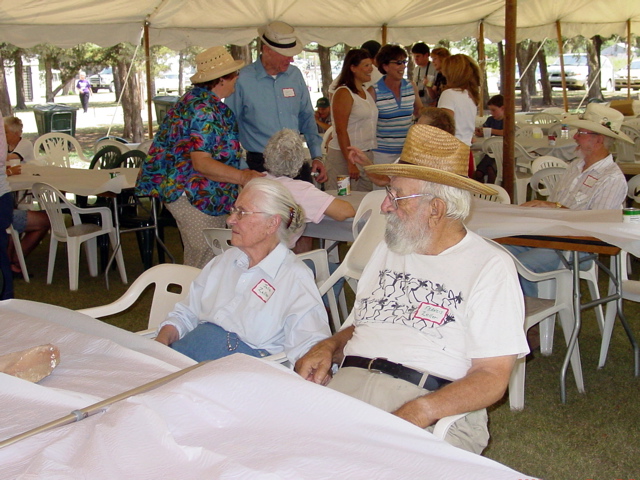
x,y
399,62
241,213
394,200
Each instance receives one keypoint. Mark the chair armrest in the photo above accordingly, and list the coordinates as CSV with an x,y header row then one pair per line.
x,y
444,424
148,333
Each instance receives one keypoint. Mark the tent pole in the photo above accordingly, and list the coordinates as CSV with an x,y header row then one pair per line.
x,y
147,64
483,66
384,35
565,100
628,59
508,169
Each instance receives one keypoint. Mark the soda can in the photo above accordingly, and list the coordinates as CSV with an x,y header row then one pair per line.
x,y
631,215
344,185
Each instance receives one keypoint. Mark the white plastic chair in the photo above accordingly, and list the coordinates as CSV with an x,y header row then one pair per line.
x,y
544,119
556,297
525,131
501,197
556,129
547,161
103,142
219,239
633,188
165,277
627,152
370,205
57,148
145,145
18,246
54,203
543,181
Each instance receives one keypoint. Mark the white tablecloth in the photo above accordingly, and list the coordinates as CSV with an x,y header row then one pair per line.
x,y
81,181
238,417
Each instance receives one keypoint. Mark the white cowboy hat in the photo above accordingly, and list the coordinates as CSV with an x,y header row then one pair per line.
x,y
281,38
603,120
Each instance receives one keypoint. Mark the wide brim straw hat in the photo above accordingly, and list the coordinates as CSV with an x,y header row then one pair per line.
x,y
433,155
215,62
603,120
281,38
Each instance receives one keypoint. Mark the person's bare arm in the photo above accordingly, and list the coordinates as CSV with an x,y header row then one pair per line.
x,y
342,104
217,171
167,335
358,156
418,103
485,383
340,210
315,365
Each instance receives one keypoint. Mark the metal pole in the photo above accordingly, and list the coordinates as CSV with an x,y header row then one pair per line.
x,y
147,63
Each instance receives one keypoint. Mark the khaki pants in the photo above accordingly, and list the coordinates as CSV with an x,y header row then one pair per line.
x,y
387,393
337,165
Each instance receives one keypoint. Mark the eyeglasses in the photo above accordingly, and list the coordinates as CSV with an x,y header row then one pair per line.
x,y
586,133
398,62
394,200
240,212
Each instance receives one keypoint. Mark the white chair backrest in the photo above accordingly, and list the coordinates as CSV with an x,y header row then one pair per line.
x,y
547,161
325,139
165,276
53,201
525,131
633,188
501,197
219,239
627,152
544,119
543,181
371,205
494,148
55,149
100,144
145,145
556,129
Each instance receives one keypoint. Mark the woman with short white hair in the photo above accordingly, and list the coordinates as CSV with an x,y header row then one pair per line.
x,y
283,158
257,298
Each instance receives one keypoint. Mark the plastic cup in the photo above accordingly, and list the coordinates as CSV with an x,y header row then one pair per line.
x,y
486,132
14,162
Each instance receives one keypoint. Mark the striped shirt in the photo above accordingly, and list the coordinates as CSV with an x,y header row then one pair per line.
x,y
394,117
602,186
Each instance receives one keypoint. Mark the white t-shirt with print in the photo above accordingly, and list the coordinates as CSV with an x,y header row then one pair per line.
x,y
435,313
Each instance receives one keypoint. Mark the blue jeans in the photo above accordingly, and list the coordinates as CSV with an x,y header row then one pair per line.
x,y
540,260
209,341
6,216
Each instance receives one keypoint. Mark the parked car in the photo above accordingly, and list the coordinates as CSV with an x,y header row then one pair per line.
x,y
576,71
634,79
104,80
168,82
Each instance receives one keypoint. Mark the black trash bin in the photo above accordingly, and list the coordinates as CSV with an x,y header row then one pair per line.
x,y
55,117
162,104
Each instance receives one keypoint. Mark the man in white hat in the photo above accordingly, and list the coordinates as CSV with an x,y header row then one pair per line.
x,y
271,95
438,315
593,181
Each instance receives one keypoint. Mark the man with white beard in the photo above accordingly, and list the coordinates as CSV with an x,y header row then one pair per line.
x,y
438,316
593,181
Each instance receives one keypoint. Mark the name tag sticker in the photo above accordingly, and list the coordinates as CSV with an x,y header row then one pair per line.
x,y
288,92
263,290
431,313
590,181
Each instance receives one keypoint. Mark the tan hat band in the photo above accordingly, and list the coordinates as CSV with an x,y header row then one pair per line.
x,y
279,45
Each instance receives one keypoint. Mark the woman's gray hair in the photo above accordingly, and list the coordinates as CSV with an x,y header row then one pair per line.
x,y
284,154
277,200
458,200
13,124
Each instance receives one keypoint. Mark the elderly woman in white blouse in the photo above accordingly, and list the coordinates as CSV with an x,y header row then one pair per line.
x,y
257,298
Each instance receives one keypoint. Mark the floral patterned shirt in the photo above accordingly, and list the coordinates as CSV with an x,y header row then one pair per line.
x,y
199,121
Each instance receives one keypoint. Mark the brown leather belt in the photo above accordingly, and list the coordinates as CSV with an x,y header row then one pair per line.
x,y
396,370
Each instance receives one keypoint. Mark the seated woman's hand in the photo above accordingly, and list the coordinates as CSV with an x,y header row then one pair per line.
x,y
16,170
167,335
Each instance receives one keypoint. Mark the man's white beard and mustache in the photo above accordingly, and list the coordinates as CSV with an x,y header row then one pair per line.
x,y
404,236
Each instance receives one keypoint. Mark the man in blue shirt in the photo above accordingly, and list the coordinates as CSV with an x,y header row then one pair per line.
x,y
271,95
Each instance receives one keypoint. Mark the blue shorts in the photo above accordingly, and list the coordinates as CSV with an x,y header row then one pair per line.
x,y
19,221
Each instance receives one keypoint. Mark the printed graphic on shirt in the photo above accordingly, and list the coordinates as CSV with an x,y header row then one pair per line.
x,y
263,290
403,298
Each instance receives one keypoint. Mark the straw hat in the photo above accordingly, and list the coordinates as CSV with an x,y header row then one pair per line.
x,y
604,120
215,62
281,38
436,156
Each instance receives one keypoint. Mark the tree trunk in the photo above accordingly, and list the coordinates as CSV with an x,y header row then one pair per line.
x,y
324,54
5,100
131,102
19,75
593,56
501,66
524,54
48,80
547,91
180,73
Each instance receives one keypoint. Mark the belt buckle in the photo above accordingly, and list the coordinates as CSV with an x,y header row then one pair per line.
x,y
374,370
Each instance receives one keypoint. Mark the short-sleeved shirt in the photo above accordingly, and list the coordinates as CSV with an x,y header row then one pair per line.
x,y
199,122
395,116
491,122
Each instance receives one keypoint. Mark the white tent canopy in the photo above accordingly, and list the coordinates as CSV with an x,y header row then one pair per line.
x,y
180,23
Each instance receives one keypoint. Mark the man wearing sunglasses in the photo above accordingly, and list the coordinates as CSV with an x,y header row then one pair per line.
x,y
438,315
